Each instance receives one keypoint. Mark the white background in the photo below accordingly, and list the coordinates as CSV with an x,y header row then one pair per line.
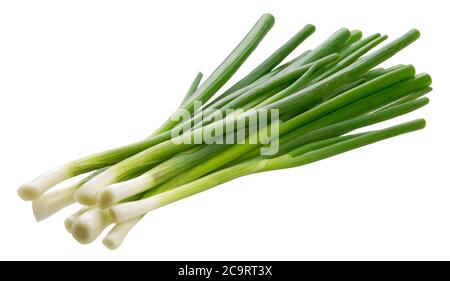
x,y
77,77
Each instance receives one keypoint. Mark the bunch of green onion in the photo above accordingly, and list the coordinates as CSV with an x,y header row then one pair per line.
x,y
322,95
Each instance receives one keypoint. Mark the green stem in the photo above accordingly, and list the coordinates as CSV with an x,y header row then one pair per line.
x,y
129,210
345,52
349,144
410,97
329,46
355,36
193,87
227,68
300,82
306,98
349,59
301,136
273,60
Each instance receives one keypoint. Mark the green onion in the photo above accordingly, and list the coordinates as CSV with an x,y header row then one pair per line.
x,y
90,224
126,211
68,222
355,35
313,94
322,95
411,97
41,184
228,67
315,131
307,97
116,236
329,46
350,58
192,88
345,52
273,60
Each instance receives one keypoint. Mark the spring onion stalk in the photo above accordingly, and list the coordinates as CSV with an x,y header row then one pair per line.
x,y
35,188
300,156
227,68
344,59
348,60
347,98
118,233
139,208
410,97
374,101
355,50
87,194
298,137
114,193
282,78
329,46
245,95
365,78
51,202
259,99
41,184
313,94
317,131
374,73
383,80
125,211
298,84
355,35
374,59
358,108
345,52
38,186
322,95
290,62
68,222
301,81
116,236
273,60
320,132
194,86
311,74
90,224
266,83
